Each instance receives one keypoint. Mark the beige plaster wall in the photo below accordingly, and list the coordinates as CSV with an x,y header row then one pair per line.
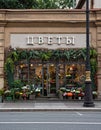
x,y
99,59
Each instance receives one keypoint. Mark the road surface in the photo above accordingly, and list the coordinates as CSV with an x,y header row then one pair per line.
x,y
52,120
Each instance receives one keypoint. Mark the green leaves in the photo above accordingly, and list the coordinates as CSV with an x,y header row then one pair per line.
x,y
17,84
56,54
36,4
71,54
18,4
9,69
9,65
93,53
47,4
14,56
55,4
24,54
45,55
9,4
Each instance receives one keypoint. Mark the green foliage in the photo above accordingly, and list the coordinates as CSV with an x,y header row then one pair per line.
x,y
24,54
9,4
93,63
17,84
93,53
1,92
55,4
9,65
56,54
14,56
35,54
18,4
28,4
47,4
45,55
65,3
9,69
73,55
35,4
70,54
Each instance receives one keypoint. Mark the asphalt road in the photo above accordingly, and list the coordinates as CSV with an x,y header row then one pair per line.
x,y
50,120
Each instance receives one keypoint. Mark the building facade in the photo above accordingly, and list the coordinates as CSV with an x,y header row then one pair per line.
x,y
48,30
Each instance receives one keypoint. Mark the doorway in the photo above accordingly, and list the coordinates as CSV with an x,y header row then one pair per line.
x,y
49,79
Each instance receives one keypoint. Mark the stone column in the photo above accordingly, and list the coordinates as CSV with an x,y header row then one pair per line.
x,y
99,59
1,56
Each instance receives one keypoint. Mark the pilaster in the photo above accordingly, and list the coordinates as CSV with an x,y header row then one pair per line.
x,y
99,60
1,56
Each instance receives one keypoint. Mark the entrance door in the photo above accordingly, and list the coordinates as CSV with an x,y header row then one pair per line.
x,y
49,79
52,78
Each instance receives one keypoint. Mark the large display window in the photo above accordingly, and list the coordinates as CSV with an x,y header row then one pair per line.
x,y
51,76
49,70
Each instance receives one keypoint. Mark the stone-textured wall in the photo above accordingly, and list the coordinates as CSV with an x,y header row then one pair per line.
x,y
1,56
99,58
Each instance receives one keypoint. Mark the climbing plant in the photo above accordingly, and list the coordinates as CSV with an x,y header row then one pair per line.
x,y
93,63
9,68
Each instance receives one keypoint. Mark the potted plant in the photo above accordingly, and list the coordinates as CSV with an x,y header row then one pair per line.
x,y
8,95
95,94
32,94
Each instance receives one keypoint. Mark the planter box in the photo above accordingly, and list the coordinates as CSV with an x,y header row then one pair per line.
x,y
8,98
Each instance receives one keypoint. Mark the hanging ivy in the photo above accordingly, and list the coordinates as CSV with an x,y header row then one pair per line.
x,y
9,68
45,55
9,65
93,63
14,55
71,54
23,54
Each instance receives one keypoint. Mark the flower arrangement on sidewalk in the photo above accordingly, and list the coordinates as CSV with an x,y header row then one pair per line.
x,y
77,93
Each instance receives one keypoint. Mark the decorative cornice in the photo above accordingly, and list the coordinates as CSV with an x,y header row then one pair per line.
x,y
47,16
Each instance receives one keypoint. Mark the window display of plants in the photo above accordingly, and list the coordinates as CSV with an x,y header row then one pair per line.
x,y
14,58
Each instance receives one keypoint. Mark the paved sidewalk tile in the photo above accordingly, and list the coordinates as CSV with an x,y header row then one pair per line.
x,y
50,105
38,105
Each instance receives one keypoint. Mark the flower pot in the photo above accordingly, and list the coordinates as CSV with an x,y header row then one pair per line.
x,y
32,96
8,98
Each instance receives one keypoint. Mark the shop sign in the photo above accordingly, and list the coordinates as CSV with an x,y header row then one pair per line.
x,y
32,40
50,41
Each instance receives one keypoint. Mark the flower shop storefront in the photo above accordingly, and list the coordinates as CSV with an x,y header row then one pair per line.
x,y
43,52
48,72
48,64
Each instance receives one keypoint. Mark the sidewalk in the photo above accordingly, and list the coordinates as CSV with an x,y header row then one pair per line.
x,y
48,106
